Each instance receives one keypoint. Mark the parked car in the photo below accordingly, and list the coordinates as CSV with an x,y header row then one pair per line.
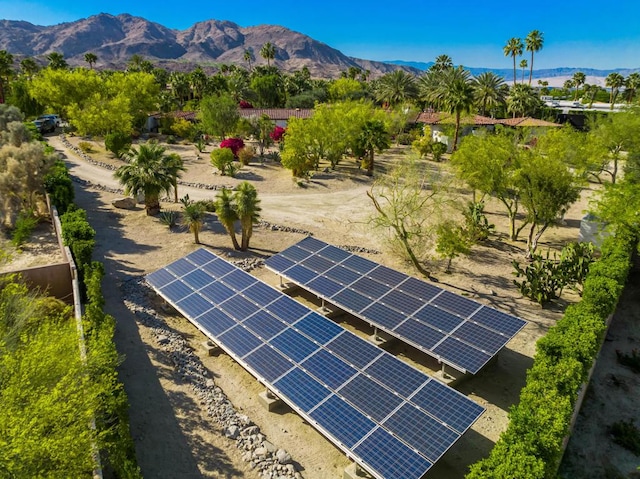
x,y
55,118
577,104
45,125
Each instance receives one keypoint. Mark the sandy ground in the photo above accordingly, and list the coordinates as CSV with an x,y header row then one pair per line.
x,y
173,436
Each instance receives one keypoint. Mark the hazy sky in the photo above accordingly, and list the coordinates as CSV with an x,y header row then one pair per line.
x,y
583,34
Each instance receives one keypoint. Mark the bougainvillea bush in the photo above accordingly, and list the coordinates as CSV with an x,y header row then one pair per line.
x,y
277,133
234,144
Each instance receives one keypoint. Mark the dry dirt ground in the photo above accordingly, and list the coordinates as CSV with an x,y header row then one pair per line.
x,y
173,435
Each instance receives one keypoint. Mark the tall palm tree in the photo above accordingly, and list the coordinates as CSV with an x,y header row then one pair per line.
x,y
6,70
454,93
193,215
590,92
534,41
29,67
180,87
579,79
146,173
489,91
396,88
227,214
523,65
268,52
247,206
614,81
513,48
631,86
56,61
568,85
373,137
175,166
248,57
91,59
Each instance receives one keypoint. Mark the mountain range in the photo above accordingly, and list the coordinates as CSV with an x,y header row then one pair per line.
x,y
114,39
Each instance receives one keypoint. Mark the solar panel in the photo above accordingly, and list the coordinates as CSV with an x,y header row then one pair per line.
x,y
358,395
456,330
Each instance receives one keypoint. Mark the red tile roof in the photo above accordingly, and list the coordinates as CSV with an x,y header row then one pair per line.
x,y
438,118
277,113
527,121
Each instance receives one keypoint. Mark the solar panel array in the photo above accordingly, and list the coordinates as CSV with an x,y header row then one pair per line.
x,y
457,331
389,417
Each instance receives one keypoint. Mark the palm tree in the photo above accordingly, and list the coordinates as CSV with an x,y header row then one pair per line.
x,y
568,85
6,70
590,92
91,59
29,67
197,82
513,48
373,137
193,215
247,206
614,81
523,65
631,86
453,92
534,42
174,166
227,214
248,57
146,173
489,91
442,62
522,100
268,52
579,79
396,88
179,85
56,61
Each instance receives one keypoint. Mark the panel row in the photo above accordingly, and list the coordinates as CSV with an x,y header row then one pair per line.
x,y
454,329
357,394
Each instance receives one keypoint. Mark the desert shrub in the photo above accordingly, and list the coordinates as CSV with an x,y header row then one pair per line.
x,y
246,154
24,226
200,143
404,139
544,278
233,144
451,241
477,225
171,140
168,218
437,150
85,146
222,159
117,143
182,128
422,145
627,435
273,156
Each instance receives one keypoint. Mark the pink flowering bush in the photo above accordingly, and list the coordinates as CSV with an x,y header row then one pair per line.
x,y
277,133
245,104
234,144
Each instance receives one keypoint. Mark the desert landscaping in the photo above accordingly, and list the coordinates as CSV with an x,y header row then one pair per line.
x,y
174,429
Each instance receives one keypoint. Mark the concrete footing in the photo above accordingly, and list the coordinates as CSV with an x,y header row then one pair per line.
x,y
354,471
270,401
210,347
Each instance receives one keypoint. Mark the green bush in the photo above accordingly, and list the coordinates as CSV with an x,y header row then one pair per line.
x,y
627,435
169,218
58,184
531,446
24,226
85,146
222,159
117,143
437,150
